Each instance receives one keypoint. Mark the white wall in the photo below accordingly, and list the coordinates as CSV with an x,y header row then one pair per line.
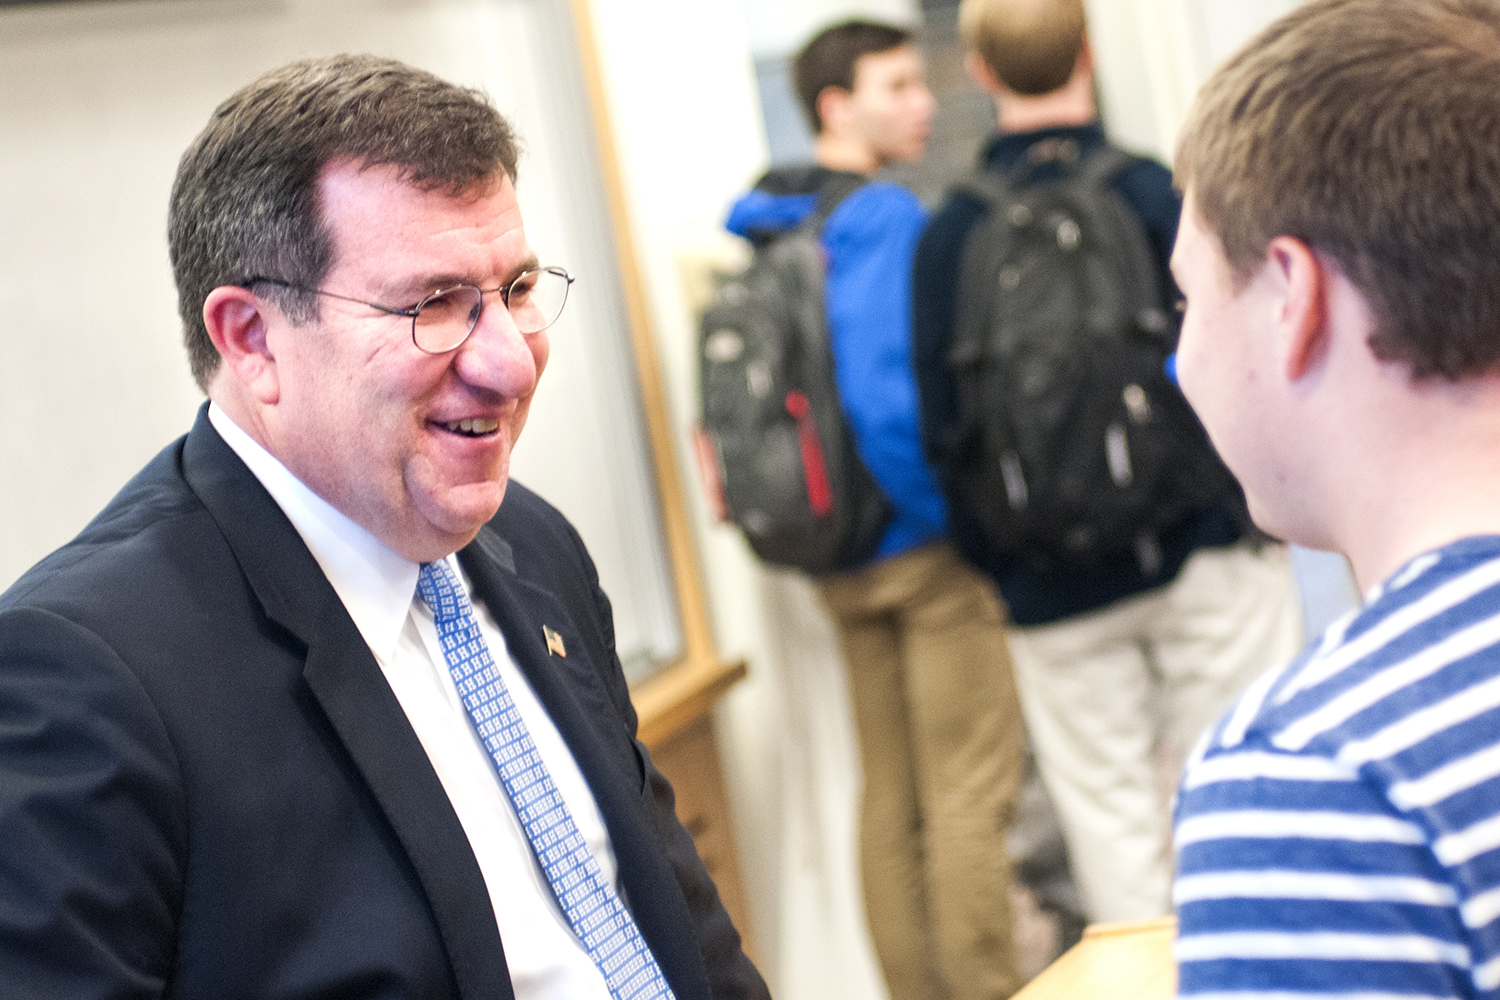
x,y
778,27
92,380
1225,25
1151,55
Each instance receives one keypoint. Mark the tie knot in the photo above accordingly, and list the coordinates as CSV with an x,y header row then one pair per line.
x,y
441,591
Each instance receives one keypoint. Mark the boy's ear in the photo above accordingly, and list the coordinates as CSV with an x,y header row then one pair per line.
x,y
1301,304
833,108
236,321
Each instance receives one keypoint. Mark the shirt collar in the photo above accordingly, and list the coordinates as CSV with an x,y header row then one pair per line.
x,y
375,583
1005,149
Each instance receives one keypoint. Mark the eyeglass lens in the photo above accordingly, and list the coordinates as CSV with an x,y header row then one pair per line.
x,y
445,319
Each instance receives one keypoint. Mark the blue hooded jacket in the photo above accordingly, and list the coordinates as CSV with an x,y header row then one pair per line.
x,y
869,240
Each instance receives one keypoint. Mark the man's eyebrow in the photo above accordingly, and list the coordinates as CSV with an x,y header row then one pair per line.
x,y
530,261
416,287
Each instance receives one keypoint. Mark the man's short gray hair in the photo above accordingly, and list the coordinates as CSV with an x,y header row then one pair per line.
x,y
245,202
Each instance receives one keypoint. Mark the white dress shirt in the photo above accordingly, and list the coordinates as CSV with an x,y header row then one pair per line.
x,y
378,589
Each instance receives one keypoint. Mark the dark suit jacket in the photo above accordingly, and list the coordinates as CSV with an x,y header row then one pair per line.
x,y
208,790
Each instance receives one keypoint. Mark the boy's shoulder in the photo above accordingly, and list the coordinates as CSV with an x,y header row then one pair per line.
x,y
1405,682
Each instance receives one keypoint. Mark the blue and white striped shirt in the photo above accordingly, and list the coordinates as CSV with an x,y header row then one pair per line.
x,y
1338,831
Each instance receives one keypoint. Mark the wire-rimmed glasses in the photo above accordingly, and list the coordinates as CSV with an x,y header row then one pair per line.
x,y
443,320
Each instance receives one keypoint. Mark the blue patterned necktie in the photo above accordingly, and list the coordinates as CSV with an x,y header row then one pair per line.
x,y
600,920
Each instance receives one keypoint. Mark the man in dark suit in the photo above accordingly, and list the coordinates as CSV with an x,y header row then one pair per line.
x,y
308,711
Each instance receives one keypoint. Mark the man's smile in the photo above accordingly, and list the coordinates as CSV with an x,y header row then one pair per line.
x,y
470,426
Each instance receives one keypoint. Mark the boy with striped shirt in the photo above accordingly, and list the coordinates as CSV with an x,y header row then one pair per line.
x,y
1338,831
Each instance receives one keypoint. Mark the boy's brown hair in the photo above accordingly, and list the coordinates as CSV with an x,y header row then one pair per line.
x,y
1032,46
828,59
1370,130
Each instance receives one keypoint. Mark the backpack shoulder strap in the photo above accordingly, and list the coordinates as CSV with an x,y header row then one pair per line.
x,y
1099,168
988,187
1104,164
838,186
996,187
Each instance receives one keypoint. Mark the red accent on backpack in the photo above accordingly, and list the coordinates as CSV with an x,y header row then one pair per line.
x,y
819,493
708,470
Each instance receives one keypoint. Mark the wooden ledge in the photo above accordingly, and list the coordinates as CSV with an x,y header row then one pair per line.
x,y
670,701
1122,961
1157,926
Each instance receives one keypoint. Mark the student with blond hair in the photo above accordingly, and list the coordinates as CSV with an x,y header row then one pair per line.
x,y
1124,651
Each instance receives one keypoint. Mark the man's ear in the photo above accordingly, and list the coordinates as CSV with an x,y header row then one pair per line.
x,y
1301,286
979,71
1085,63
236,322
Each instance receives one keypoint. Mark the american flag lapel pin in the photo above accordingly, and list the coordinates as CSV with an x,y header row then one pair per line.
x,y
554,642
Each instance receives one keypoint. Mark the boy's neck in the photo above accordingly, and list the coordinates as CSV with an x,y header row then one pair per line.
x,y
1073,104
1417,518
1431,474
852,156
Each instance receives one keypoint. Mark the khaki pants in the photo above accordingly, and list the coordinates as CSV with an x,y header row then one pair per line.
x,y
1116,698
942,745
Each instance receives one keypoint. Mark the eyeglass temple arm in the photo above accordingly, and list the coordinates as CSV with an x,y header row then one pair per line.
x,y
262,280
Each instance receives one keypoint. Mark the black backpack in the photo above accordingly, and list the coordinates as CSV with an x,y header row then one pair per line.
x,y
1070,442
777,456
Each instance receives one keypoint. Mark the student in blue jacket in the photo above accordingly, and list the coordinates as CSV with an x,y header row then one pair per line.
x,y
923,636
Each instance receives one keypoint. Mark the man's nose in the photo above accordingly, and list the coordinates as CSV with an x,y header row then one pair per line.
x,y
497,356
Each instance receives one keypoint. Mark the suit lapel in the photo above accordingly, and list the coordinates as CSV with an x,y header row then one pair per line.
x,y
571,688
353,693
